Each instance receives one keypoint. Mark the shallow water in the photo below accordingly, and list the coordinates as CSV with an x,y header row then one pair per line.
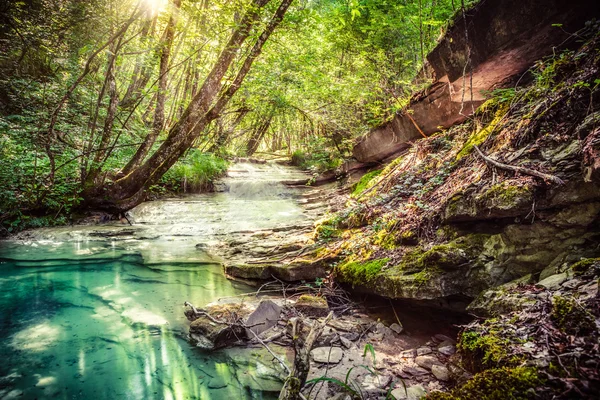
x,y
97,312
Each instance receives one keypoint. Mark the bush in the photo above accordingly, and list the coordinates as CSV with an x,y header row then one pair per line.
x,y
194,173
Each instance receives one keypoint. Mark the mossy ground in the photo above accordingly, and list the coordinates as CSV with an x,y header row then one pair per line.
x,y
496,384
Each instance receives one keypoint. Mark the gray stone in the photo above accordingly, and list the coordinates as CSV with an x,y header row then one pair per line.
x,y
421,351
447,350
264,317
397,328
553,282
414,392
345,342
331,355
443,338
417,371
440,372
373,382
427,361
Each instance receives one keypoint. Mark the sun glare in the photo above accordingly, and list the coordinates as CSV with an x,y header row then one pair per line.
x,y
155,6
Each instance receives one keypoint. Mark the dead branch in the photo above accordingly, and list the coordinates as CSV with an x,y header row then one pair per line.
x,y
522,170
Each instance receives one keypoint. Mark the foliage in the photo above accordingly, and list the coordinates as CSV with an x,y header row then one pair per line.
x,y
364,182
194,173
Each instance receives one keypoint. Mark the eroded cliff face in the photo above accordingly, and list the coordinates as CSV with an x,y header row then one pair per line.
x,y
441,222
489,48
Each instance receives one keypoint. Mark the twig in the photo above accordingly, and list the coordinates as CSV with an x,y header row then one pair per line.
x,y
522,170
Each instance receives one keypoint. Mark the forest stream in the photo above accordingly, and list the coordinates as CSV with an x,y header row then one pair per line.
x,y
95,312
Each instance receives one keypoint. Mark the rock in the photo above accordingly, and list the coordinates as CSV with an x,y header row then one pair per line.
x,y
209,335
440,372
443,338
373,382
397,328
346,342
421,351
427,361
312,306
553,282
331,355
264,317
217,382
447,350
416,371
352,336
408,353
414,392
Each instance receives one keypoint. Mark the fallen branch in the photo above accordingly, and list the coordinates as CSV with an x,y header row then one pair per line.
x,y
522,170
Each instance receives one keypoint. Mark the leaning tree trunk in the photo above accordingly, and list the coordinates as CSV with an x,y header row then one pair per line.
x,y
206,106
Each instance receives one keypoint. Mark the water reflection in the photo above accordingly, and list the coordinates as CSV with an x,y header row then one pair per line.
x,y
96,312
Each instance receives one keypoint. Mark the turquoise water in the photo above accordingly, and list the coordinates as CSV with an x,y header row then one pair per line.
x,y
97,312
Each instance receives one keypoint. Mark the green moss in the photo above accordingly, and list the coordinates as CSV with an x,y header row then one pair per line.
x,y
481,351
581,267
363,183
478,137
444,256
385,239
505,195
496,384
571,317
355,272
327,229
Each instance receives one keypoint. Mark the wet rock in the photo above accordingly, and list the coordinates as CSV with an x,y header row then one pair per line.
x,y
264,317
217,382
427,361
440,372
410,393
312,306
330,355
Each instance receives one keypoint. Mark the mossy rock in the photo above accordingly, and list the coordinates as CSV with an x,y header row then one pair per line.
x,y
360,272
496,384
502,200
447,256
581,267
482,350
571,317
